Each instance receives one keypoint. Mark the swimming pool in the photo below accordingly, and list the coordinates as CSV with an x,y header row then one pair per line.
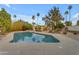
x,y
30,37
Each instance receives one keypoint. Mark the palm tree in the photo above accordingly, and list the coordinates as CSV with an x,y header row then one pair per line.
x,y
69,8
47,22
53,18
14,16
46,19
38,14
33,18
66,13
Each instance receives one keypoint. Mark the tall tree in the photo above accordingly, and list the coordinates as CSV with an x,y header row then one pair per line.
x,y
14,16
38,14
69,8
46,19
53,18
33,18
66,14
33,22
5,19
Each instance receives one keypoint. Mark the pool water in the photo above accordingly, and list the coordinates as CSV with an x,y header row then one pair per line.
x,y
30,37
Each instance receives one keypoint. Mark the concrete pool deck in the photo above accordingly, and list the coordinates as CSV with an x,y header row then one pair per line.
x,y
66,46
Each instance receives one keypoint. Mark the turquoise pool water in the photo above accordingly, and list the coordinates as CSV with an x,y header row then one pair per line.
x,y
30,37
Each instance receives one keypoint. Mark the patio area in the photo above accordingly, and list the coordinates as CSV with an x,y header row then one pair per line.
x,y
66,46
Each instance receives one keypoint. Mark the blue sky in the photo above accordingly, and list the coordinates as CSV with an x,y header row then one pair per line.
x,y
25,11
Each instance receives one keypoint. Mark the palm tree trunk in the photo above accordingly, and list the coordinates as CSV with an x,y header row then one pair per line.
x,y
37,20
66,18
69,15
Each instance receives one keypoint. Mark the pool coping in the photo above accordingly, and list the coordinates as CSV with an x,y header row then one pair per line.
x,y
36,33
45,33
66,46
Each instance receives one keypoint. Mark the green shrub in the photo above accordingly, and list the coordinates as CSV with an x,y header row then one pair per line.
x,y
78,23
20,26
68,23
28,26
3,30
5,20
60,25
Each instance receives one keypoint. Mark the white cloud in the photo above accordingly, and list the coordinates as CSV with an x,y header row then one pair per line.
x,y
28,19
23,17
8,5
75,18
76,15
0,9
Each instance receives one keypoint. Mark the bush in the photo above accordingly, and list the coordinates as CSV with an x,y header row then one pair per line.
x,y
28,26
38,28
68,23
3,30
20,26
60,25
78,23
